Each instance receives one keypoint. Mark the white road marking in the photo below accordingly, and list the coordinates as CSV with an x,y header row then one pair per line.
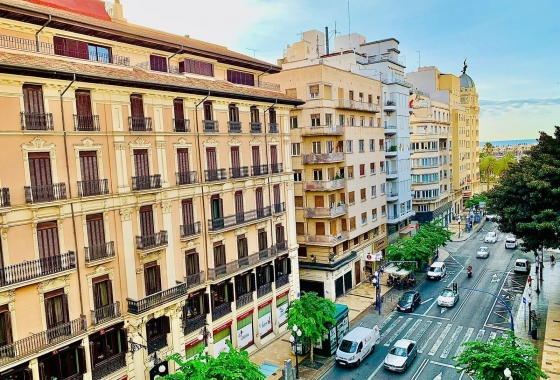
x,y
393,325
492,335
467,336
426,301
451,342
397,333
443,364
375,372
440,339
438,377
412,329
443,309
419,370
480,334
423,330
425,344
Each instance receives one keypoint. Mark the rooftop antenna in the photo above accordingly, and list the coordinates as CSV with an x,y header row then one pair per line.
x,y
254,51
300,34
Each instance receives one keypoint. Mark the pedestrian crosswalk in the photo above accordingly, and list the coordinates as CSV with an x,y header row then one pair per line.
x,y
434,338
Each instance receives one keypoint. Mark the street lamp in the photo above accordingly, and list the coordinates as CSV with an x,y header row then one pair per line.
x,y
529,300
459,223
295,338
154,361
507,374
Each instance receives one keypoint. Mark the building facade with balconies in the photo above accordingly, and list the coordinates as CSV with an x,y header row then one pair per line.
x,y
469,100
148,200
338,158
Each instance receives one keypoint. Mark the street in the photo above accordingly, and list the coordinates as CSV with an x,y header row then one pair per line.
x,y
439,332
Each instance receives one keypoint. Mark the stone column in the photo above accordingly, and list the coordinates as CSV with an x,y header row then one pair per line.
x,y
170,250
129,247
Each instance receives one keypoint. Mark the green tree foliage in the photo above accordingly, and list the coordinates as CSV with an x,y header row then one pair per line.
x,y
312,315
488,360
229,365
487,149
527,197
504,163
488,166
474,202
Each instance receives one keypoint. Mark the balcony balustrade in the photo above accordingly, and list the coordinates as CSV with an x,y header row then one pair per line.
x,y
195,279
390,129
32,121
319,212
281,246
42,341
244,299
326,130
259,170
193,324
392,195
210,126
263,290
256,127
92,188
221,311
323,240
46,193
282,280
334,184
276,168
186,178
109,366
213,175
322,158
188,230
100,252
234,126
424,199
239,172
88,123
157,299
181,125
5,197
35,269
106,313
359,105
238,265
391,174
278,208
159,239
146,182
157,344
140,124
273,128
217,224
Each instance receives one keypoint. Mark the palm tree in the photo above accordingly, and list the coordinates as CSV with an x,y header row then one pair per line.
x,y
504,163
488,166
487,149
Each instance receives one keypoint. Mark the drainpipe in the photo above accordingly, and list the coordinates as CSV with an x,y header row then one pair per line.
x,y
65,137
261,74
37,35
271,200
169,59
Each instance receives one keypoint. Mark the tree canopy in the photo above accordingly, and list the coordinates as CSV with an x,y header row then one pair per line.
x,y
229,365
474,202
488,360
312,315
527,197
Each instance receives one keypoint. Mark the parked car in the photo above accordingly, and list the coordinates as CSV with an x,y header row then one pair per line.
x,y
490,237
399,357
511,242
448,298
482,253
521,266
356,345
491,217
409,301
437,271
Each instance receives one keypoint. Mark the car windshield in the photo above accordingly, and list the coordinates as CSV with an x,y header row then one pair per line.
x,y
348,346
520,264
406,297
435,269
510,240
491,234
483,249
398,351
447,293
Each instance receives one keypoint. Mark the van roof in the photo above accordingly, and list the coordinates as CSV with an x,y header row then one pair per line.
x,y
358,333
437,264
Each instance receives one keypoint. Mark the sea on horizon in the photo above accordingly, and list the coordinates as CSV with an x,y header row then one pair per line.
x,y
509,142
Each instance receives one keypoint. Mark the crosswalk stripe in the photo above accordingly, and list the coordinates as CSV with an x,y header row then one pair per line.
x,y
451,342
423,330
504,335
397,333
480,334
391,327
425,344
492,335
467,336
412,329
440,339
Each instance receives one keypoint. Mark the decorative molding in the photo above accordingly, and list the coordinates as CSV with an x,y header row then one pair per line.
x,y
150,256
182,142
8,298
166,207
261,225
53,284
126,214
273,140
191,245
234,142
120,146
88,143
160,145
210,143
218,237
140,143
241,231
255,141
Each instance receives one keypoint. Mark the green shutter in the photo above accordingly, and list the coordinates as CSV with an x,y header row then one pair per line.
x,y
245,322
282,300
222,334
190,352
265,310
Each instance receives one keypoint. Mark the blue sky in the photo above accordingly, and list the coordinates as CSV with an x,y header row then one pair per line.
x,y
512,47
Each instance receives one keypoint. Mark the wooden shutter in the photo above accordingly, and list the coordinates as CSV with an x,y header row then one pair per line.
x,y
239,202
165,325
81,359
255,151
300,228
229,289
208,111
235,157
320,228
158,279
319,201
183,160
40,169
188,211
158,63
273,155
47,239
178,109
88,165
298,199
65,309
259,198
141,165
136,106
276,194
279,233
192,263
95,230
83,103
33,99
211,161
146,221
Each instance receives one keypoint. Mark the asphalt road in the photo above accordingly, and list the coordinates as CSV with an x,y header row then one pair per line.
x,y
440,331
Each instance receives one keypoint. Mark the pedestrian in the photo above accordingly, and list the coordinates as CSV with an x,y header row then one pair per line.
x,y
552,259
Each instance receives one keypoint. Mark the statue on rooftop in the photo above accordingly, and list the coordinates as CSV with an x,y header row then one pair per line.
x,y
465,66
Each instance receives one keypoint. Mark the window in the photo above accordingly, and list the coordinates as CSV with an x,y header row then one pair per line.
x,y
152,278
157,328
219,254
383,210
293,122
328,119
192,263
69,363
382,166
302,251
90,181
370,122
341,120
374,214
297,176
96,237
344,228
84,113
316,147
352,223
208,111
102,293
291,92
244,284
373,191
364,218
363,194
376,231
233,111
104,346
47,240
350,172
242,247
372,145
141,166
146,221
56,308
35,116
328,92
382,188
296,149
194,66
240,77
319,228
362,169
189,227
239,208
262,240
315,120
272,116
6,336
180,124
137,112
300,228
314,91
361,146
348,146
276,198
158,63
369,99
78,49
351,95
351,199
351,121
317,175
372,168
298,200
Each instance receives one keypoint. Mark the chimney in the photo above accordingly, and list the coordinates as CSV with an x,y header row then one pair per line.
x,y
115,10
327,39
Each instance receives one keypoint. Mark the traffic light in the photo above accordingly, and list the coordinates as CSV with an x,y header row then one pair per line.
x,y
455,287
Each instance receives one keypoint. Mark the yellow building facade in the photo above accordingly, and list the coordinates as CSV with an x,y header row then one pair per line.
x,y
147,196
469,100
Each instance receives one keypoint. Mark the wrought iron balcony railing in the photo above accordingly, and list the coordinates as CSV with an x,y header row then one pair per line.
x,y
146,182
276,168
195,279
154,300
263,290
193,324
140,124
181,125
159,239
46,193
87,123
239,172
282,280
100,252
210,126
232,220
238,265
107,367
277,208
186,178
215,175
5,197
259,170
157,344
106,313
221,311
234,126
244,299
30,270
190,229
33,121
91,188
273,128
256,127
282,246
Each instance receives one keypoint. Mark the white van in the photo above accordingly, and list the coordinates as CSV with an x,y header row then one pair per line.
x,y
356,345
437,271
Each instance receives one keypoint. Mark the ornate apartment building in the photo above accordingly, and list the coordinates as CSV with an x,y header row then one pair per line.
x,y
146,202
338,148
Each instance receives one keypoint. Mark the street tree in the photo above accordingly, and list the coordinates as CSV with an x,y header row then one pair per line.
x,y
313,315
504,163
488,166
488,360
229,365
474,202
527,197
487,149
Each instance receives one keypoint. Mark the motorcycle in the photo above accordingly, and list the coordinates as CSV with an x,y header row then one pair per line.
x,y
469,273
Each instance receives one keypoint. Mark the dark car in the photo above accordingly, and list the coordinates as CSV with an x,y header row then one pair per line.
x,y
409,301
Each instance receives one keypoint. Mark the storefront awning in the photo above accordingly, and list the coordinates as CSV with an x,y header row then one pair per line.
x,y
395,270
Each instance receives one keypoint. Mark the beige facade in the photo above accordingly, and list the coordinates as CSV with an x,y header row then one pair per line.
x,y
147,196
469,100
338,157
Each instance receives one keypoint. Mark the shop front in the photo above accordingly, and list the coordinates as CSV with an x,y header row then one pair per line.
x,y
108,349
20,372
282,301
245,336
265,319
68,362
193,348
332,339
221,335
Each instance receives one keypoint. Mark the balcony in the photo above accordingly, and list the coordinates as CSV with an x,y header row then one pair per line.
x,y
47,193
332,212
100,252
193,324
256,127
358,105
188,230
281,246
213,175
146,182
239,265
263,290
106,313
159,239
390,129
109,366
44,340
32,121
282,280
239,172
259,170
391,151
322,158
328,130
221,311
154,300
278,208
273,128
331,185
210,126
391,174
234,126
88,123
92,188
157,344
424,199
139,124
244,299
5,197
181,125
218,224
390,106
186,178
31,270
392,196
195,279
323,240
276,168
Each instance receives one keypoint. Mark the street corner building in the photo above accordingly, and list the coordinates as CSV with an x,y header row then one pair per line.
x,y
147,197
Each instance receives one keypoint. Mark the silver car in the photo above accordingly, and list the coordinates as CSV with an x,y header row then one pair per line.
x,y
401,355
482,253
490,237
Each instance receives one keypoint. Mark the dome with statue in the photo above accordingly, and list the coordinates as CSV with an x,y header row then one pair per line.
x,y
466,81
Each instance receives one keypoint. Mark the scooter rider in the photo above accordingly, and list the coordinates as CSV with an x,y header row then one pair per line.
x,y
469,271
